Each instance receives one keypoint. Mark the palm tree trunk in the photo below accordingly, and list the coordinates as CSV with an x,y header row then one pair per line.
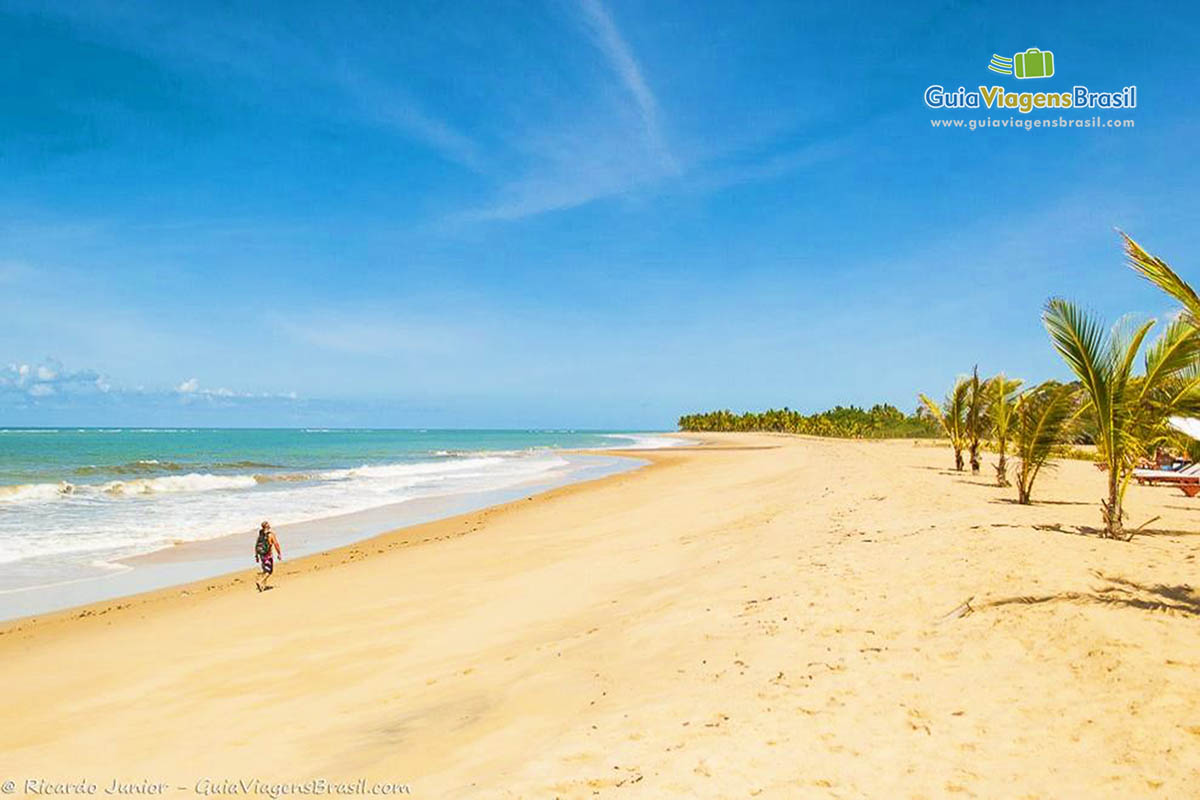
x,y
975,458
958,459
1002,468
1023,484
1114,528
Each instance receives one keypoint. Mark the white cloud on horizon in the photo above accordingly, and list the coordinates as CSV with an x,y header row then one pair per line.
x,y
26,381
49,378
191,389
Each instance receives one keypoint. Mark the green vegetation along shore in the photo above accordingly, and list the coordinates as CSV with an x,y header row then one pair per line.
x,y
848,422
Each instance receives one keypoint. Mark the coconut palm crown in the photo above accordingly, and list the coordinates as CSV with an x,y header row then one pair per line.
x,y
1042,416
953,416
1001,396
1129,412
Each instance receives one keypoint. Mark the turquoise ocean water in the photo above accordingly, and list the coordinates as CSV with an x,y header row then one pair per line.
x,y
75,501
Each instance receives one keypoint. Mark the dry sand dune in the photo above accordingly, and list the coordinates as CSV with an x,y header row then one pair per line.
x,y
767,616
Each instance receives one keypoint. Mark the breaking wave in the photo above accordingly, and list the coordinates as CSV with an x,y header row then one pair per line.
x,y
396,474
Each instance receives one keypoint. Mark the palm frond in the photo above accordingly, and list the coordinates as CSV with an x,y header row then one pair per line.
x,y
1174,353
1042,419
1157,271
938,414
1079,338
1001,394
1125,348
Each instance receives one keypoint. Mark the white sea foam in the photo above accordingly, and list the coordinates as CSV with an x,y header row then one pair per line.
x,y
646,441
412,470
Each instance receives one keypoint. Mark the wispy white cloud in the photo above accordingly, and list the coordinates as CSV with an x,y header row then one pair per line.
x,y
621,58
617,151
573,167
607,136
607,141
607,170
778,165
388,104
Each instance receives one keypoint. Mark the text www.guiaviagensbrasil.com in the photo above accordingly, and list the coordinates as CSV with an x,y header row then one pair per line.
x,y
1018,123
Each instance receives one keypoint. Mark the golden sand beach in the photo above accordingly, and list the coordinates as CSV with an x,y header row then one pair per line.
x,y
761,616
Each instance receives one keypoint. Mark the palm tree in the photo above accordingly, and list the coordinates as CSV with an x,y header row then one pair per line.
x,y
953,417
1002,397
1041,417
1129,411
1159,273
974,420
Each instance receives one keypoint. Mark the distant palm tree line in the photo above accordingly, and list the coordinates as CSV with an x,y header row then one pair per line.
x,y
847,422
1115,403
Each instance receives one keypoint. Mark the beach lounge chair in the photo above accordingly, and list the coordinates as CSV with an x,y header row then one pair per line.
x,y
1190,488
1187,480
1169,476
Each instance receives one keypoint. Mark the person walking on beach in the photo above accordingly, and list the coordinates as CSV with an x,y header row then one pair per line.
x,y
262,554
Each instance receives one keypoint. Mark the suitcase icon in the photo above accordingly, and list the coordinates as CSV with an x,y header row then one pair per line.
x,y
1034,63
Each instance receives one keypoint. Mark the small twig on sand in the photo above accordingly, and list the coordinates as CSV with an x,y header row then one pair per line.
x,y
1139,528
961,610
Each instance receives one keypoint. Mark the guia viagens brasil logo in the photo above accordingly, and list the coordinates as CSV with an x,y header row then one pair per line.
x,y
1025,65
1033,63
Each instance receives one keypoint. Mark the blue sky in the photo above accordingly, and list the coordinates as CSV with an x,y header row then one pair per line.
x,y
593,213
